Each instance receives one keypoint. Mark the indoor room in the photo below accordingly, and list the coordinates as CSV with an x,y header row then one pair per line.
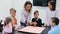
x,y
29,17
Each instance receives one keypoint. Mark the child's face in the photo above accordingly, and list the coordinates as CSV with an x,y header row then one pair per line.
x,y
36,15
52,23
13,13
50,6
28,7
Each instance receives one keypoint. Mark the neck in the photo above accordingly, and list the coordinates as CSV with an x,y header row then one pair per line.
x,y
27,10
12,16
36,18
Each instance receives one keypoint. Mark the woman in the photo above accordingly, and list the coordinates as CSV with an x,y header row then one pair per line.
x,y
26,14
52,12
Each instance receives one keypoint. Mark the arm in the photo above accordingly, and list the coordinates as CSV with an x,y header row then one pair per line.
x,y
40,22
46,19
23,19
57,13
29,18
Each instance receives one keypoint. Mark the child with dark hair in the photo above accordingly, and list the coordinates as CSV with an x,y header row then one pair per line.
x,y
36,21
55,29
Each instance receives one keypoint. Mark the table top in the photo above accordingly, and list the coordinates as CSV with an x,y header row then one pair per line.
x,y
32,29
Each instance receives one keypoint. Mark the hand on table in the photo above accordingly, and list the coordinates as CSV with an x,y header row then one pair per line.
x,y
35,24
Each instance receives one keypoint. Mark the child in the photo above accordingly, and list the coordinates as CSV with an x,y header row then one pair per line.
x,y
52,12
26,14
55,29
13,14
7,26
36,21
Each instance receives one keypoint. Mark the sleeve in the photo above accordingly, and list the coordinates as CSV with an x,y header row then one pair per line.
x,y
23,19
33,20
46,18
29,18
40,21
57,13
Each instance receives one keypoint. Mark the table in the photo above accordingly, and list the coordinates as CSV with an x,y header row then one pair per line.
x,y
34,30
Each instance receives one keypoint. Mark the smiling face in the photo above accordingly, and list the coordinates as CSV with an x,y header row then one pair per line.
x,y
28,7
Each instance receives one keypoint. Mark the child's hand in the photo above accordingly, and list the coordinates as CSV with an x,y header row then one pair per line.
x,y
35,24
31,23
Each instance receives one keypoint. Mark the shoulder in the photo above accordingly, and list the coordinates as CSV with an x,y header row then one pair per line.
x,y
56,10
33,18
39,18
54,30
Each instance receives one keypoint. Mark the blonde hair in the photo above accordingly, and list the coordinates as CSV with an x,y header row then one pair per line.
x,y
12,9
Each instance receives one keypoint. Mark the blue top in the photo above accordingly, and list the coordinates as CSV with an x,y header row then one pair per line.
x,y
55,30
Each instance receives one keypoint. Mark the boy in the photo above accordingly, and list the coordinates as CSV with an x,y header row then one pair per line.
x,y
54,24
13,14
36,21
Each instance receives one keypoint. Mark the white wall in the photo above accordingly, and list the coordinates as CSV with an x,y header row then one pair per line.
x,y
5,5
58,6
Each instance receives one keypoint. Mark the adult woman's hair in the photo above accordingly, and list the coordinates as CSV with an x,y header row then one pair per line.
x,y
53,5
27,2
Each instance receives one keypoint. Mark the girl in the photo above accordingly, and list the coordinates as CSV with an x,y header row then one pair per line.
x,y
26,14
7,26
52,12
